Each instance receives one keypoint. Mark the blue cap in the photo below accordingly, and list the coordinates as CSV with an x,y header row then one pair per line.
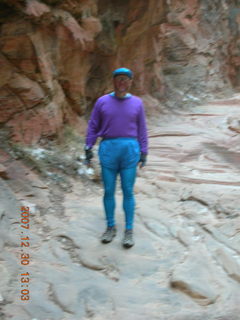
x,y
122,71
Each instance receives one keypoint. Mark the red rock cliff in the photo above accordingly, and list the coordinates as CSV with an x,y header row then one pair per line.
x,y
56,56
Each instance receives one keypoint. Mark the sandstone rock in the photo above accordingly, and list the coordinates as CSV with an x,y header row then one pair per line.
x,y
36,123
65,294
179,228
36,8
92,25
234,124
6,70
5,278
53,44
229,263
3,172
55,61
194,278
232,243
48,309
95,301
28,91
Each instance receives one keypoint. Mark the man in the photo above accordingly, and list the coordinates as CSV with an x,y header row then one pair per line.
x,y
119,119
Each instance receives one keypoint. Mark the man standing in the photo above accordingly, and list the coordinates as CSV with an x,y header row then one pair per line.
x,y
119,119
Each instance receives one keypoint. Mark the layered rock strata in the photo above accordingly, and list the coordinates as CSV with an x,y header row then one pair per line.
x,y
56,57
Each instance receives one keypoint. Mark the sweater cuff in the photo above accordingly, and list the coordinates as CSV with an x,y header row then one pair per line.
x,y
87,147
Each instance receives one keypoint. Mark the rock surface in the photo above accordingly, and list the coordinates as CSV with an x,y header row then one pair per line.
x,y
186,260
56,57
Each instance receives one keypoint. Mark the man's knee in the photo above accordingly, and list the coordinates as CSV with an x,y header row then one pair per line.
x,y
108,192
127,191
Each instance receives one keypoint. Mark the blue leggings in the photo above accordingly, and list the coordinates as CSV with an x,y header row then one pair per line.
x,y
109,177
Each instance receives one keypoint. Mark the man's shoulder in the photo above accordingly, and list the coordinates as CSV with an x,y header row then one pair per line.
x,y
101,100
137,99
104,97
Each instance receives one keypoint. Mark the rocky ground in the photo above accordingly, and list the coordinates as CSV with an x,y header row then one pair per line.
x,y
186,261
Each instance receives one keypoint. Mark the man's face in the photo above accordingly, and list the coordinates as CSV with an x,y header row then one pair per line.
x,y
122,83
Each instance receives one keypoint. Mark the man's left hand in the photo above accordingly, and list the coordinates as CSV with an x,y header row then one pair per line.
x,y
143,160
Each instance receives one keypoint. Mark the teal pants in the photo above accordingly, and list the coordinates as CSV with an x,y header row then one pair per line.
x,y
119,156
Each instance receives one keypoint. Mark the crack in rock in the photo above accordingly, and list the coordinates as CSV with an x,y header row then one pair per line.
x,y
52,297
219,237
145,224
79,257
193,198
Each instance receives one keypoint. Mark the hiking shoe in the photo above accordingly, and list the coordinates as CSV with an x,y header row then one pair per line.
x,y
127,241
109,234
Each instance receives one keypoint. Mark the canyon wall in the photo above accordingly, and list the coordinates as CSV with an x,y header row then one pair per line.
x,y
56,57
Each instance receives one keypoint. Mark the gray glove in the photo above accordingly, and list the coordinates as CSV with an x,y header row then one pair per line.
x,y
143,159
88,155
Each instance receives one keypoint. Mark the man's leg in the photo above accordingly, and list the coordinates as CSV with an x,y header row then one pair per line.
x,y
109,177
128,177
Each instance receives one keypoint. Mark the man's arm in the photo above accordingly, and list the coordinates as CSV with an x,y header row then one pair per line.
x,y
142,136
93,126
92,132
142,130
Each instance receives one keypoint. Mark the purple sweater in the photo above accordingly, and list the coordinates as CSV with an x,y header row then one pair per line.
x,y
114,117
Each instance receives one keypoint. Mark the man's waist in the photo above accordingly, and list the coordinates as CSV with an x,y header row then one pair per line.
x,y
122,137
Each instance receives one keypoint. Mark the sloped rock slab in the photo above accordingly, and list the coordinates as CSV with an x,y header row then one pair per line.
x,y
230,264
194,278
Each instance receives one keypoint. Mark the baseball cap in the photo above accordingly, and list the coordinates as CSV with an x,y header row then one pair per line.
x,y
123,71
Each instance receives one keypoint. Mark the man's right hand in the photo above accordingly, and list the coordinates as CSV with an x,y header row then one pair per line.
x,y
88,155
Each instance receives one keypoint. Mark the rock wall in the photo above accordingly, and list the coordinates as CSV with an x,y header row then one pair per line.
x,y
56,57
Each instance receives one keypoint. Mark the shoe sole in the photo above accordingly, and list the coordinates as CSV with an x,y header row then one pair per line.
x,y
128,246
106,241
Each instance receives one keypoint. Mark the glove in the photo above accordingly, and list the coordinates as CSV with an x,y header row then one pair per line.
x,y
88,155
143,159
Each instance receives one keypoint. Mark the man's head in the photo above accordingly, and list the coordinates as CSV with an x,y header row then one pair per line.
x,y
122,80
